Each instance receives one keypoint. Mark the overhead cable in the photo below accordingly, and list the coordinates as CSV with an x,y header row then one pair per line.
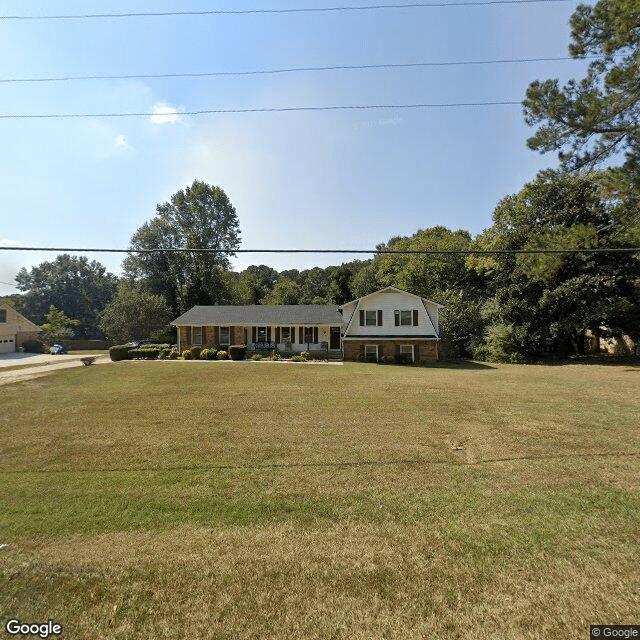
x,y
340,67
202,112
218,12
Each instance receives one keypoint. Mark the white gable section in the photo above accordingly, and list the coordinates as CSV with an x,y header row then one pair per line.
x,y
388,301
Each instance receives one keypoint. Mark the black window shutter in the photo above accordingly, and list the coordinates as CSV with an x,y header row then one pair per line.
x,y
362,317
277,334
292,334
396,315
415,317
315,335
301,335
268,334
254,337
379,317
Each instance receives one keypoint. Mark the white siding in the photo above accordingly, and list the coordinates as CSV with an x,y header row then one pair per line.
x,y
390,300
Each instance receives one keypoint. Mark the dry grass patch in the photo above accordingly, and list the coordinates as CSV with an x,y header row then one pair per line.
x,y
149,500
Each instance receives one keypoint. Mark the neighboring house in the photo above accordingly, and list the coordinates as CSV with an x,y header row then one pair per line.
x,y
15,329
389,322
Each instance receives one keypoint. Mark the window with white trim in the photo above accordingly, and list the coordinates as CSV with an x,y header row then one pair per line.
x,y
370,351
196,335
261,334
371,318
225,336
285,334
407,349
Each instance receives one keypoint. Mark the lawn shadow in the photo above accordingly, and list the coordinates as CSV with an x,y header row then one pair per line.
x,y
611,361
461,364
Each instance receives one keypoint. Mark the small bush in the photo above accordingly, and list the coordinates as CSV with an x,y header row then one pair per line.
x,y
296,359
403,358
212,354
195,352
203,354
186,354
33,346
120,352
222,355
237,351
305,355
386,360
256,356
173,354
275,355
164,353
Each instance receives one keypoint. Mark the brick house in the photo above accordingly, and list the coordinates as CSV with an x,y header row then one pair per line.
x,y
388,322
15,329
391,322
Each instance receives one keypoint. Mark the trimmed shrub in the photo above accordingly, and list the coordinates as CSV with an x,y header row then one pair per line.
x,y
403,358
296,359
186,354
256,356
33,346
212,354
305,355
164,353
237,351
120,352
195,352
386,360
173,354
221,355
275,355
203,354
145,353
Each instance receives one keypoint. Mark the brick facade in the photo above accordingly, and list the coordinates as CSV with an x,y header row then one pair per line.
x,y
425,351
210,336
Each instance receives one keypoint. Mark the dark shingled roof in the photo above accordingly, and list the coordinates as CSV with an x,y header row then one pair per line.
x,y
261,314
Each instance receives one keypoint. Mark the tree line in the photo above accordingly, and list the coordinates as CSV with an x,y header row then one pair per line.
x,y
497,307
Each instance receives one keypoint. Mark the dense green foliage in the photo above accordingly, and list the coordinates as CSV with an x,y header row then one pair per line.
x,y
79,288
596,118
134,314
198,217
58,326
545,302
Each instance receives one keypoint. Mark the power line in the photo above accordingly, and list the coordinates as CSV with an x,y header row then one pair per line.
x,y
203,112
341,67
411,5
367,251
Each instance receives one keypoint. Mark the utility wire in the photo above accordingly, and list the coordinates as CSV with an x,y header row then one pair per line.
x,y
342,67
202,112
367,251
373,7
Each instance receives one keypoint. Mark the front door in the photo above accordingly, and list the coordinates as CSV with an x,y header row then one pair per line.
x,y
334,338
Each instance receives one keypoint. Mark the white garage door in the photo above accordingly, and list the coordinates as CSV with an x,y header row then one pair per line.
x,y
7,344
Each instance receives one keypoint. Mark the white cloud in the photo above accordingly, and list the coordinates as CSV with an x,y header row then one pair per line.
x,y
121,141
163,114
10,243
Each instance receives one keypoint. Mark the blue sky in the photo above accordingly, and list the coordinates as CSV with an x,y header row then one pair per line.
x,y
340,179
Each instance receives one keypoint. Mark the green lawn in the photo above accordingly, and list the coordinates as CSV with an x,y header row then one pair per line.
x,y
260,500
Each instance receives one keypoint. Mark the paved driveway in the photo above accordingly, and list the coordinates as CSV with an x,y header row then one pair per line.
x,y
44,364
